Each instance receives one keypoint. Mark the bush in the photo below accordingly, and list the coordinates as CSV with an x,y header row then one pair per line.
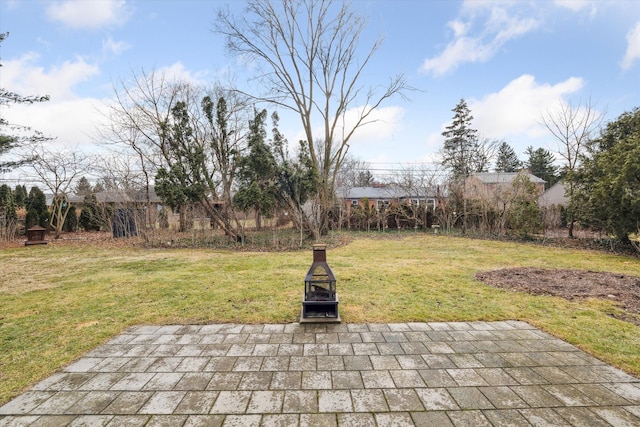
x,y
32,218
71,221
90,216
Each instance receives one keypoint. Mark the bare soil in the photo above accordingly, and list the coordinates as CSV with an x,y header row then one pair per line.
x,y
623,289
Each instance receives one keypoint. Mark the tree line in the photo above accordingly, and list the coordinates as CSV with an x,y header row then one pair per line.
x,y
599,169
21,210
217,148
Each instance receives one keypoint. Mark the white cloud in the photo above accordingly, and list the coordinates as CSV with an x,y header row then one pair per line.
x,y
380,125
66,116
110,46
89,14
633,47
499,23
434,140
72,122
177,72
574,5
463,49
515,110
459,28
24,76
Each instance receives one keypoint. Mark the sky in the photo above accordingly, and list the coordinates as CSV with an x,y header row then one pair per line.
x,y
511,61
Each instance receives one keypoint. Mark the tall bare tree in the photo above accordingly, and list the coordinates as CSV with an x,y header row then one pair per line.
x,y
572,126
59,171
310,53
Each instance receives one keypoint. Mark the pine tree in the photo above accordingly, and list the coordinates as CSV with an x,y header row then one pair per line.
x,y
507,160
541,164
83,187
460,146
460,142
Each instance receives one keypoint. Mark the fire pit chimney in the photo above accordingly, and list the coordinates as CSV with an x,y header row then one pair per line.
x,y
320,299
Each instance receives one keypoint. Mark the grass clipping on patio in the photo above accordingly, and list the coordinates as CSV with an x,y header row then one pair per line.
x,y
59,301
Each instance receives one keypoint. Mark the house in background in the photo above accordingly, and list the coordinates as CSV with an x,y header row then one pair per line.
x,y
131,209
482,185
556,195
379,196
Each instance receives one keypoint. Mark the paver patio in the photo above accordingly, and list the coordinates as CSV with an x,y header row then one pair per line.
x,y
403,374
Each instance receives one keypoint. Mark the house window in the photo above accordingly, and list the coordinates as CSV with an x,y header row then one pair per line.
x,y
354,203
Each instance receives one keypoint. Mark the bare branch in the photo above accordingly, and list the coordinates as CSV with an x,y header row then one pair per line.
x,y
309,50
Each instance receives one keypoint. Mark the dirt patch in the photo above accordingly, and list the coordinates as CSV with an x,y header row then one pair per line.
x,y
571,284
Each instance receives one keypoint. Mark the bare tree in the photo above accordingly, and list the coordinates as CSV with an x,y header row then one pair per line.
x,y
135,118
572,126
309,49
484,153
120,170
59,170
145,118
354,173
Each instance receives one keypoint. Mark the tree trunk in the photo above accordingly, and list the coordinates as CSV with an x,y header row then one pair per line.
x,y
182,226
258,220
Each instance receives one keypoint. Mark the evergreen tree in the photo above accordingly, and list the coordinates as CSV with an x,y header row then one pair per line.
x,y
297,178
71,220
20,196
181,184
541,164
91,215
83,187
98,188
256,173
37,213
364,179
462,153
524,215
8,216
608,181
507,160
32,218
461,141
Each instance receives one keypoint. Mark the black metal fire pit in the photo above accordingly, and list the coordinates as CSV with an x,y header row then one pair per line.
x,y
320,301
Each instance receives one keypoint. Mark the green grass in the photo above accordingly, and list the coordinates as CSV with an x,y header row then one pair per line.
x,y
57,302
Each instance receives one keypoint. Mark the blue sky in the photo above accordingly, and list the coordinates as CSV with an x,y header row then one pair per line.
x,y
511,61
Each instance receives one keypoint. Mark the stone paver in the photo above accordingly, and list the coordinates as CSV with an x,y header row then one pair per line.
x,y
400,374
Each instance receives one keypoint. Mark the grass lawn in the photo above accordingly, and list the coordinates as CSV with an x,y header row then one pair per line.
x,y
59,301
